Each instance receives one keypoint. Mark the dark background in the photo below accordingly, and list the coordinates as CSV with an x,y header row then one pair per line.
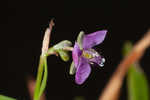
x,y
27,21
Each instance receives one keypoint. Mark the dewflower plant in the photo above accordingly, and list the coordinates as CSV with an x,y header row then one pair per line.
x,y
83,55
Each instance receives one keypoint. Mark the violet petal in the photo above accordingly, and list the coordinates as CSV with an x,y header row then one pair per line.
x,y
83,71
93,39
97,60
75,54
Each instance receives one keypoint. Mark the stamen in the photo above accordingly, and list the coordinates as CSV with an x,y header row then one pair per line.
x,y
87,55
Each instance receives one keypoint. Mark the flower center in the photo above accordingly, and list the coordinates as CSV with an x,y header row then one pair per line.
x,y
93,57
87,55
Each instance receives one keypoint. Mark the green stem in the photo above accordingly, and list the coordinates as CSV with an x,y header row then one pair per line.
x,y
39,78
43,84
42,78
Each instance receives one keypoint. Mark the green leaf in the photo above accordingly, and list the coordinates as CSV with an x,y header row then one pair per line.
x,y
72,69
80,39
127,48
137,84
2,97
64,55
136,80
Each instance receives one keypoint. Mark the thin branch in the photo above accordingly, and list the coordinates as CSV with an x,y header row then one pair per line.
x,y
111,92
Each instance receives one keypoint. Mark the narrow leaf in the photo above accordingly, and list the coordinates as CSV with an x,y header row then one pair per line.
x,y
2,97
136,80
137,84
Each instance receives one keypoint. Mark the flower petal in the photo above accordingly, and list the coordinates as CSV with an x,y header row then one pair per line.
x,y
94,39
75,54
83,71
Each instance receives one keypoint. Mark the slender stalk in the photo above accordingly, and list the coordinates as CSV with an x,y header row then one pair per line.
x,y
43,84
39,78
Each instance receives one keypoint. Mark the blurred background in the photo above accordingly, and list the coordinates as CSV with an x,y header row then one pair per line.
x,y
27,21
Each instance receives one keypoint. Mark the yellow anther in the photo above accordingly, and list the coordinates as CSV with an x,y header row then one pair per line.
x,y
87,55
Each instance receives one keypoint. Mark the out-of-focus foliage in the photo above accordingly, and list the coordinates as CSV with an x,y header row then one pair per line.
x,y
2,97
79,98
137,84
136,80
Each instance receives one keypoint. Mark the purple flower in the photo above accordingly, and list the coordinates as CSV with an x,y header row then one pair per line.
x,y
84,55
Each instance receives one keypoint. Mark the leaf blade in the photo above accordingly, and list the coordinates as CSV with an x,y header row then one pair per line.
x,y
137,84
136,80
2,97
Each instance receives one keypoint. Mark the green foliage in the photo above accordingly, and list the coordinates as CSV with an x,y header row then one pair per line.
x,y
136,80
79,98
127,48
2,97
137,84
